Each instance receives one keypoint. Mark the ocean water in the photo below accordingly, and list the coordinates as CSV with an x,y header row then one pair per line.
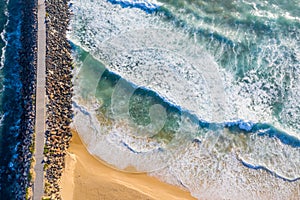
x,y
201,94
3,19
10,98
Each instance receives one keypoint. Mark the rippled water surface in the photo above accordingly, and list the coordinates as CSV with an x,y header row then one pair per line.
x,y
10,96
201,94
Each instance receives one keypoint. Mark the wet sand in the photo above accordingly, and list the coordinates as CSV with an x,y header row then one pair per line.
x,y
85,177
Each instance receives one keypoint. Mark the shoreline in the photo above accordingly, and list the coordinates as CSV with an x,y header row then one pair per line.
x,y
85,177
59,159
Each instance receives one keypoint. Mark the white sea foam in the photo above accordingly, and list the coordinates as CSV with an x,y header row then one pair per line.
x,y
114,38
123,37
270,153
275,13
3,38
117,144
145,4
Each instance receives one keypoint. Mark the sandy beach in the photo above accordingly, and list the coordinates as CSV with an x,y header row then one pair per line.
x,y
85,177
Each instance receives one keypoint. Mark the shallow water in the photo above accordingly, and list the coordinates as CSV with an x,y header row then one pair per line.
x,y
204,95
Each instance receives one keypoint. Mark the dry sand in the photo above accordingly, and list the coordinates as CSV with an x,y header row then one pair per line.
x,y
85,177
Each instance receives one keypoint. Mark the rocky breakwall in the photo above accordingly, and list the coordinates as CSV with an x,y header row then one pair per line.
x,y
59,94
28,61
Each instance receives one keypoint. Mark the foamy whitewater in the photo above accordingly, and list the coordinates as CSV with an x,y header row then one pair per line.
x,y
203,95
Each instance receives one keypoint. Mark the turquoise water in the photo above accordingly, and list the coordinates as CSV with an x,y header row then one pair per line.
x,y
202,94
256,41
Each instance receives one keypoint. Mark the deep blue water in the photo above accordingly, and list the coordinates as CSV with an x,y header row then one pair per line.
x,y
11,99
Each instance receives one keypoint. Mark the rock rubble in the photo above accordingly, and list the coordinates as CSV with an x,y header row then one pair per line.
x,y
59,94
